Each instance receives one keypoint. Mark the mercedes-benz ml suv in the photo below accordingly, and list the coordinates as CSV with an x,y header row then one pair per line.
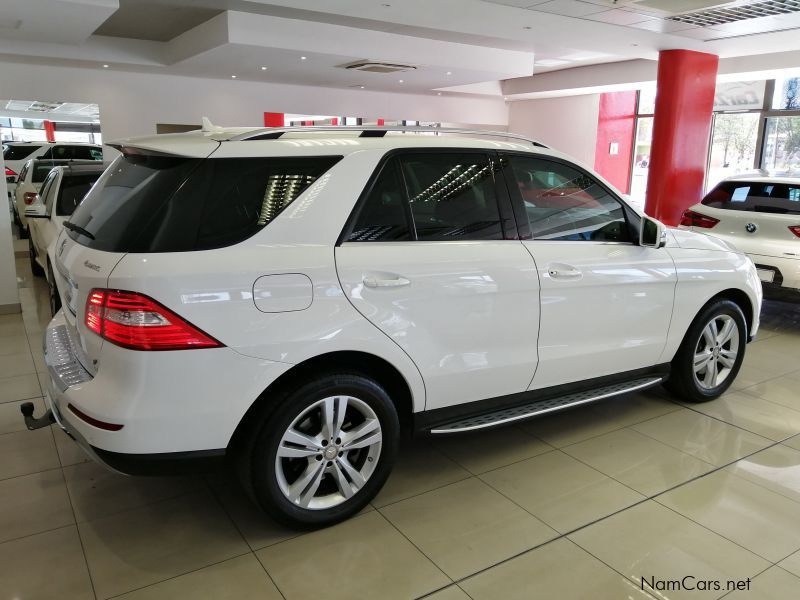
x,y
295,300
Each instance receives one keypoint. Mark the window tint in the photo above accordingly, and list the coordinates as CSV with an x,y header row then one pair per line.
x,y
71,191
24,171
84,152
40,171
18,151
452,196
563,203
755,196
382,216
147,203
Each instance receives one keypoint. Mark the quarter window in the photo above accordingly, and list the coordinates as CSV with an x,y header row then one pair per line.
x,y
564,203
383,216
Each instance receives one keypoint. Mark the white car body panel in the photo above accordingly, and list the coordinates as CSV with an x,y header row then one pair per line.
x,y
465,328
602,305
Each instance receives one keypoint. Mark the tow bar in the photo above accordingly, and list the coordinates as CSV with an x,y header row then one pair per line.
x,y
26,408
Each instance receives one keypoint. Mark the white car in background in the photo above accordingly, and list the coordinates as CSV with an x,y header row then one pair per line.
x,y
30,180
760,215
16,154
62,191
293,300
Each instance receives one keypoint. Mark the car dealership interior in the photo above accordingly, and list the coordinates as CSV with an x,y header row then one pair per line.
x,y
399,299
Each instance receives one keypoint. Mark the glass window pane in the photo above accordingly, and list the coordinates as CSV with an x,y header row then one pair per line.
x,y
787,94
756,196
382,217
641,161
452,196
564,203
733,146
782,144
647,100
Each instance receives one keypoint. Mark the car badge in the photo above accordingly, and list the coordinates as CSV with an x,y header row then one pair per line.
x,y
61,247
751,227
90,265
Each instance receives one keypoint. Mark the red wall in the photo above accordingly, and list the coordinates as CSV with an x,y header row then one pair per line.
x,y
616,123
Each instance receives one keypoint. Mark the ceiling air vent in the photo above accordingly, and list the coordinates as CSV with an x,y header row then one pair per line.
x,y
378,67
731,14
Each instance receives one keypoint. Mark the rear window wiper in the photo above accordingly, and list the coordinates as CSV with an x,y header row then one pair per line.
x,y
78,229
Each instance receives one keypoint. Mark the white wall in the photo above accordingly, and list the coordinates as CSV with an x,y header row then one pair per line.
x,y
132,103
9,300
567,124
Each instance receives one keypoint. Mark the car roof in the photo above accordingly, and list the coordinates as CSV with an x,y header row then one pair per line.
x,y
766,176
85,168
322,140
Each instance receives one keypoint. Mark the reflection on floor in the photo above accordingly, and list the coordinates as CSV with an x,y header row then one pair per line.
x,y
595,503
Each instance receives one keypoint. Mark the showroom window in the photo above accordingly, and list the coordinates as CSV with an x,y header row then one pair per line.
x,y
565,204
446,196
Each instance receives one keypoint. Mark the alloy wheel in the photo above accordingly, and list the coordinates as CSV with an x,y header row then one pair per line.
x,y
328,452
716,352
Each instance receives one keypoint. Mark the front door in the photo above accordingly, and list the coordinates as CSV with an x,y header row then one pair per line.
x,y
431,261
606,302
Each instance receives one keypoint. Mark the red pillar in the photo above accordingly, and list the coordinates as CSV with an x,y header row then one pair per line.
x,y
50,131
684,106
273,119
615,130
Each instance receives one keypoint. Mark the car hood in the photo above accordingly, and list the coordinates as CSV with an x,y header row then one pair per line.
x,y
684,238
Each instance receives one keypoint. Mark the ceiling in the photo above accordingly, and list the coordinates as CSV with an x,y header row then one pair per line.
x,y
54,111
450,46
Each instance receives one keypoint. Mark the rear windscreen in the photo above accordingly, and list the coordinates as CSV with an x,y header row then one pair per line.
x,y
768,197
40,171
149,203
18,152
73,189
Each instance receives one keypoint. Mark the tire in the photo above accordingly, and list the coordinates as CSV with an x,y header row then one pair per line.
x,y
24,232
317,481
36,268
717,337
55,297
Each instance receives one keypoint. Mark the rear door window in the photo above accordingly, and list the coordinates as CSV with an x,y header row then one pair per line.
x,y
19,151
755,196
158,203
40,171
71,191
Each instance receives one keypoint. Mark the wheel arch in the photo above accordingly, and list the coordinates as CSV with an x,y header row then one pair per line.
x,y
742,300
368,364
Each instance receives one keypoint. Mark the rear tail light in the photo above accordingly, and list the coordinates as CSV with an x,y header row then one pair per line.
x,y
795,229
29,197
694,219
138,322
10,173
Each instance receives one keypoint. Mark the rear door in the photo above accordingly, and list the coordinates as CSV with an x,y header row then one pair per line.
x,y
431,259
606,302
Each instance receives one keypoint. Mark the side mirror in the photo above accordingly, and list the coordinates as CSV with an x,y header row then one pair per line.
x,y
652,233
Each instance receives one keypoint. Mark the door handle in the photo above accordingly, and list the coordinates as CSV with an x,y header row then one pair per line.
x,y
559,271
381,282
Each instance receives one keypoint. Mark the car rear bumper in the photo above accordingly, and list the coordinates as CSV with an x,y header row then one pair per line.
x,y
151,412
779,275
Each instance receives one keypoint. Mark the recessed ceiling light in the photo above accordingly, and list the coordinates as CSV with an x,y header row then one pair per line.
x,y
399,81
303,57
438,93
505,97
527,27
105,66
449,73
361,87
233,76
263,68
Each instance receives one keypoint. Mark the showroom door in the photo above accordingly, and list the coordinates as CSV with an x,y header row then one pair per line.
x,y
431,261
606,302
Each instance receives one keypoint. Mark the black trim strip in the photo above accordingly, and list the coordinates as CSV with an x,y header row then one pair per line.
x,y
167,463
427,420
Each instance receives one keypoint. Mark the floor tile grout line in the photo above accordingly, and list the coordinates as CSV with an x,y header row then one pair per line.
x,y
35,533
224,509
218,562
438,487
690,407
32,472
728,593
410,541
39,397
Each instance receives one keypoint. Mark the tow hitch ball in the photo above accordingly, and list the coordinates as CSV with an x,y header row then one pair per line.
x,y
26,408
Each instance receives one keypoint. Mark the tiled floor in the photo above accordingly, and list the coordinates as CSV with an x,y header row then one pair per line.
x,y
585,504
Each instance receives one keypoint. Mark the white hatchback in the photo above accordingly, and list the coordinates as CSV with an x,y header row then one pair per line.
x,y
292,300
760,215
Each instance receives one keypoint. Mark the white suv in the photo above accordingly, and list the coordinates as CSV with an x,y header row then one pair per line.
x,y
292,300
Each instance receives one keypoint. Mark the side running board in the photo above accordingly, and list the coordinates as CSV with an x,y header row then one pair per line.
x,y
541,407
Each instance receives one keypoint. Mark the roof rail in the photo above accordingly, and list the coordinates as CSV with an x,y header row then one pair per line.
x,y
273,133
